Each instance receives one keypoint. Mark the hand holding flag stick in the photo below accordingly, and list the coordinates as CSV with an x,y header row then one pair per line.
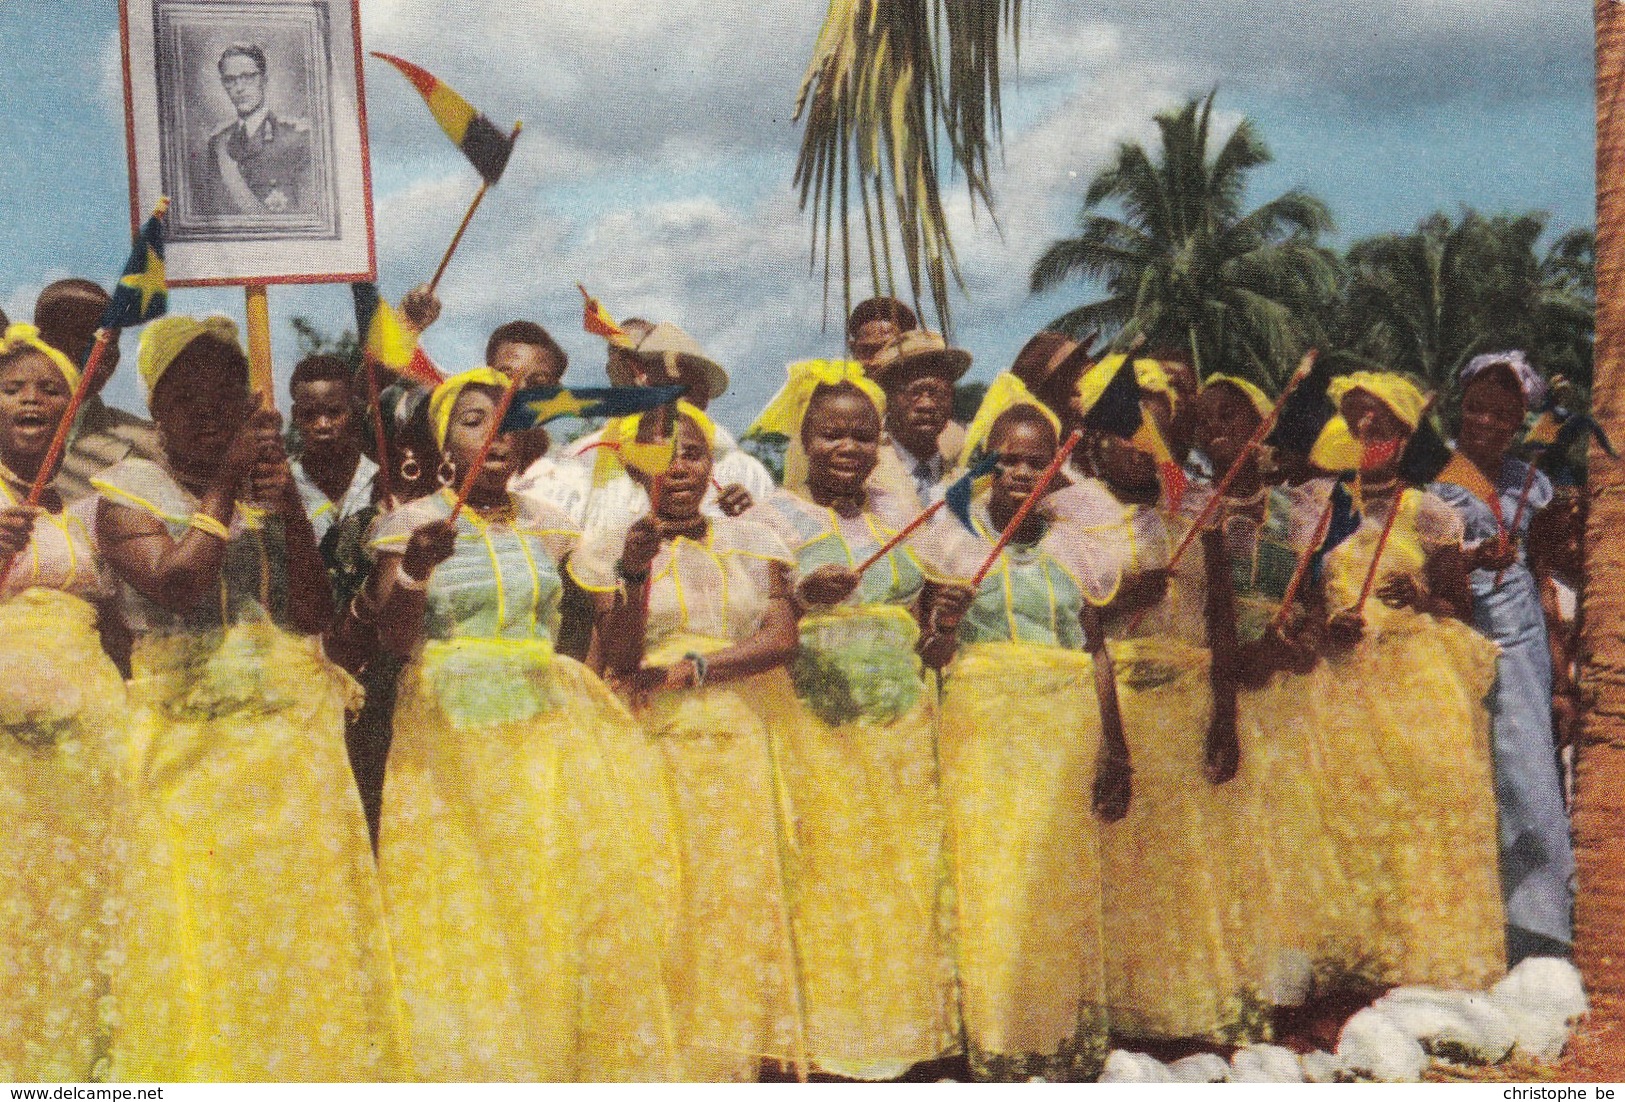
x,y
1027,506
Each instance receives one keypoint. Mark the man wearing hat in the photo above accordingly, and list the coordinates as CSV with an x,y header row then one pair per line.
x,y
918,372
67,314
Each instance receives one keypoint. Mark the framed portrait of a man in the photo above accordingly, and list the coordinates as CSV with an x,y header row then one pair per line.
x,y
250,116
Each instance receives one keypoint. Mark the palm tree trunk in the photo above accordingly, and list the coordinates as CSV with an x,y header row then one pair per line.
x,y
1598,1051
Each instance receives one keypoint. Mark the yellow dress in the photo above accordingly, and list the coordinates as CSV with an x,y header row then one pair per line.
x,y
1020,737
523,843
62,810
732,965
256,947
1408,782
867,878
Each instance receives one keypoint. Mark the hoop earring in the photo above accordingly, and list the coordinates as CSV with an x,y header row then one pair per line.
x,y
411,470
446,473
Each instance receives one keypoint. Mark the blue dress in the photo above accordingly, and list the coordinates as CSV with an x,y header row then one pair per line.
x,y
1537,858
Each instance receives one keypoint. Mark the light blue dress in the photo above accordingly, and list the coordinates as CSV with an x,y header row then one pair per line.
x,y
1537,858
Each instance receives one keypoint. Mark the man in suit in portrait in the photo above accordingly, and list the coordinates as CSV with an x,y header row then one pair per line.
x,y
260,164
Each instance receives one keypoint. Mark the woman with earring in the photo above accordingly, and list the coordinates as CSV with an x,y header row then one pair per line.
x,y
696,620
860,761
523,847
257,946
62,715
1407,784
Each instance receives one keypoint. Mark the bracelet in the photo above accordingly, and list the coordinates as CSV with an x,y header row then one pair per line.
x,y
415,585
701,666
206,524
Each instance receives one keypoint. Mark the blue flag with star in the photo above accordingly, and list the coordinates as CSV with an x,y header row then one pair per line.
x,y
142,293
536,405
965,486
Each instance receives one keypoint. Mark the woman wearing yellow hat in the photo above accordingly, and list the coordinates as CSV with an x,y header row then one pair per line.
x,y
520,843
860,761
1029,768
256,945
696,622
62,707
1408,784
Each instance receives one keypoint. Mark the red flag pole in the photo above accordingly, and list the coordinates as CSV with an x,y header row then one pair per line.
x,y
485,449
1517,514
1302,569
892,544
457,239
1382,545
1027,506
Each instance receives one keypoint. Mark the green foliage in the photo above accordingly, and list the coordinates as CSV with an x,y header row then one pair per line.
x,y
1184,265
313,341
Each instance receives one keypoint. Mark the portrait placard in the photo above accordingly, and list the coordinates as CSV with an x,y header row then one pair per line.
x,y
250,116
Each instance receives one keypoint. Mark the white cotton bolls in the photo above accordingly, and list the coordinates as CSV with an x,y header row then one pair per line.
x,y
1375,1048
1265,1064
1461,1026
1543,998
1321,1067
1134,1067
1204,1067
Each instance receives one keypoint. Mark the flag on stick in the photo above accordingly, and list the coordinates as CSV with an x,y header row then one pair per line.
x,y
958,495
1118,411
388,342
539,404
142,293
597,320
482,142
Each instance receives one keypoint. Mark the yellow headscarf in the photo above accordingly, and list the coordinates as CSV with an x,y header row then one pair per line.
x,y
1151,375
1337,448
445,396
1261,401
620,448
1005,392
22,335
785,413
166,338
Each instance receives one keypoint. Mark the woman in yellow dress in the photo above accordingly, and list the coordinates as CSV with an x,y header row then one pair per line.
x,y
1029,768
522,843
860,761
61,716
1409,796
256,946
696,624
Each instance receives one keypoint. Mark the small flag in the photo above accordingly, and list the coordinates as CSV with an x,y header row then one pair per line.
x,y
486,147
653,459
1118,411
1559,428
1345,521
1304,413
596,320
539,404
1460,471
142,293
389,343
964,488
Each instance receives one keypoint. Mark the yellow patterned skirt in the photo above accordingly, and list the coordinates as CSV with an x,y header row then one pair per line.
x,y
732,964
525,861
62,810
256,948
1409,801
1171,971
1020,734
866,862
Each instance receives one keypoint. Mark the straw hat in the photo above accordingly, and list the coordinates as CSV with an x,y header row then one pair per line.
x,y
1046,355
918,352
668,344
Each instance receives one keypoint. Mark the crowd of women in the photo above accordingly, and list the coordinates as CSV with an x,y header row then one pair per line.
x,y
490,755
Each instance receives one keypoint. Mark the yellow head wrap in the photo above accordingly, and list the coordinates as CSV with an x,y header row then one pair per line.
x,y
1151,375
1337,448
785,413
22,335
1261,401
445,396
621,448
166,338
1006,392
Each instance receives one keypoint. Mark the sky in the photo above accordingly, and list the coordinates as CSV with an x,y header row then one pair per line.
x,y
658,151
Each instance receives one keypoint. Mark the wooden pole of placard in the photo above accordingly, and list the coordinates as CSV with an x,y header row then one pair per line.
x,y
259,345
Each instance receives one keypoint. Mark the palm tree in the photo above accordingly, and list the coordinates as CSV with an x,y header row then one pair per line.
x,y
1599,798
898,91
1184,265
1426,302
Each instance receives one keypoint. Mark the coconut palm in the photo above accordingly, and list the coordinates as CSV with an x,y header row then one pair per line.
x,y
898,93
1426,302
1184,265
1599,797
